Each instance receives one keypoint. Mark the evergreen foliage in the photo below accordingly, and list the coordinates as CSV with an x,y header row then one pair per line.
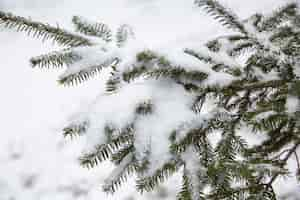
x,y
226,96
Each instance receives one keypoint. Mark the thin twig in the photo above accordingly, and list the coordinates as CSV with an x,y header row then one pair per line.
x,y
297,159
290,153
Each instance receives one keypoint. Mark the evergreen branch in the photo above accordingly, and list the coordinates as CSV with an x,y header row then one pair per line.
x,y
118,156
222,14
193,137
55,59
198,103
42,31
75,130
100,154
120,175
124,33
228,168
225,149
92,29
177,73
284,162
144,108
216,65
222,43
184,193
282,14
199,56
242,48
146,56
86,73
239,86
134,73
161,175
104,151
113,83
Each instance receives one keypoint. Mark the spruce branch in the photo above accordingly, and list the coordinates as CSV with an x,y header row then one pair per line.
x,y
92,29
134,73
42,31
279,16
176,73
86,73
104,151
147,184
239,44
55,59
283,163
124,33
198,103
184,193
256,98
113,84
75,129
120,175
216,65
222,14
118,156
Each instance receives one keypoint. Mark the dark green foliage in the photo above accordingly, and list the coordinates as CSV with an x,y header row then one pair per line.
x,y
177,73
147,184
104,151
86,73
113,83
55,59
255,101
279,16
75,129
144,108
42,31
216,66
96,29
222,14
184,193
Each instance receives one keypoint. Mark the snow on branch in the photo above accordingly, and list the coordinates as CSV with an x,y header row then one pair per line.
x,y
42,31
96,29
222,14
166,109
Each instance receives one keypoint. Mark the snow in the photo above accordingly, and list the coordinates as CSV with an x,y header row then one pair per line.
x,y
292,104
193,171
34,109
156,128
190,63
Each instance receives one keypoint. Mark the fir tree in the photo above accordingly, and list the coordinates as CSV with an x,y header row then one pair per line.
x,y
162,111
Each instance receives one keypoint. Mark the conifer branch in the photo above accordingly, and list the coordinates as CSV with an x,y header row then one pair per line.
x,y
184,193
216,65
113,83
147,184
75,129
104,151
117,157
120,175
86,73
283,163
277,17
92,29
176,73
55,59
124,33
257,98
222,14
42,31
134,73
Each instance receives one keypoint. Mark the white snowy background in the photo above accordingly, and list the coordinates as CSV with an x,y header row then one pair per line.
x,y
36,162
